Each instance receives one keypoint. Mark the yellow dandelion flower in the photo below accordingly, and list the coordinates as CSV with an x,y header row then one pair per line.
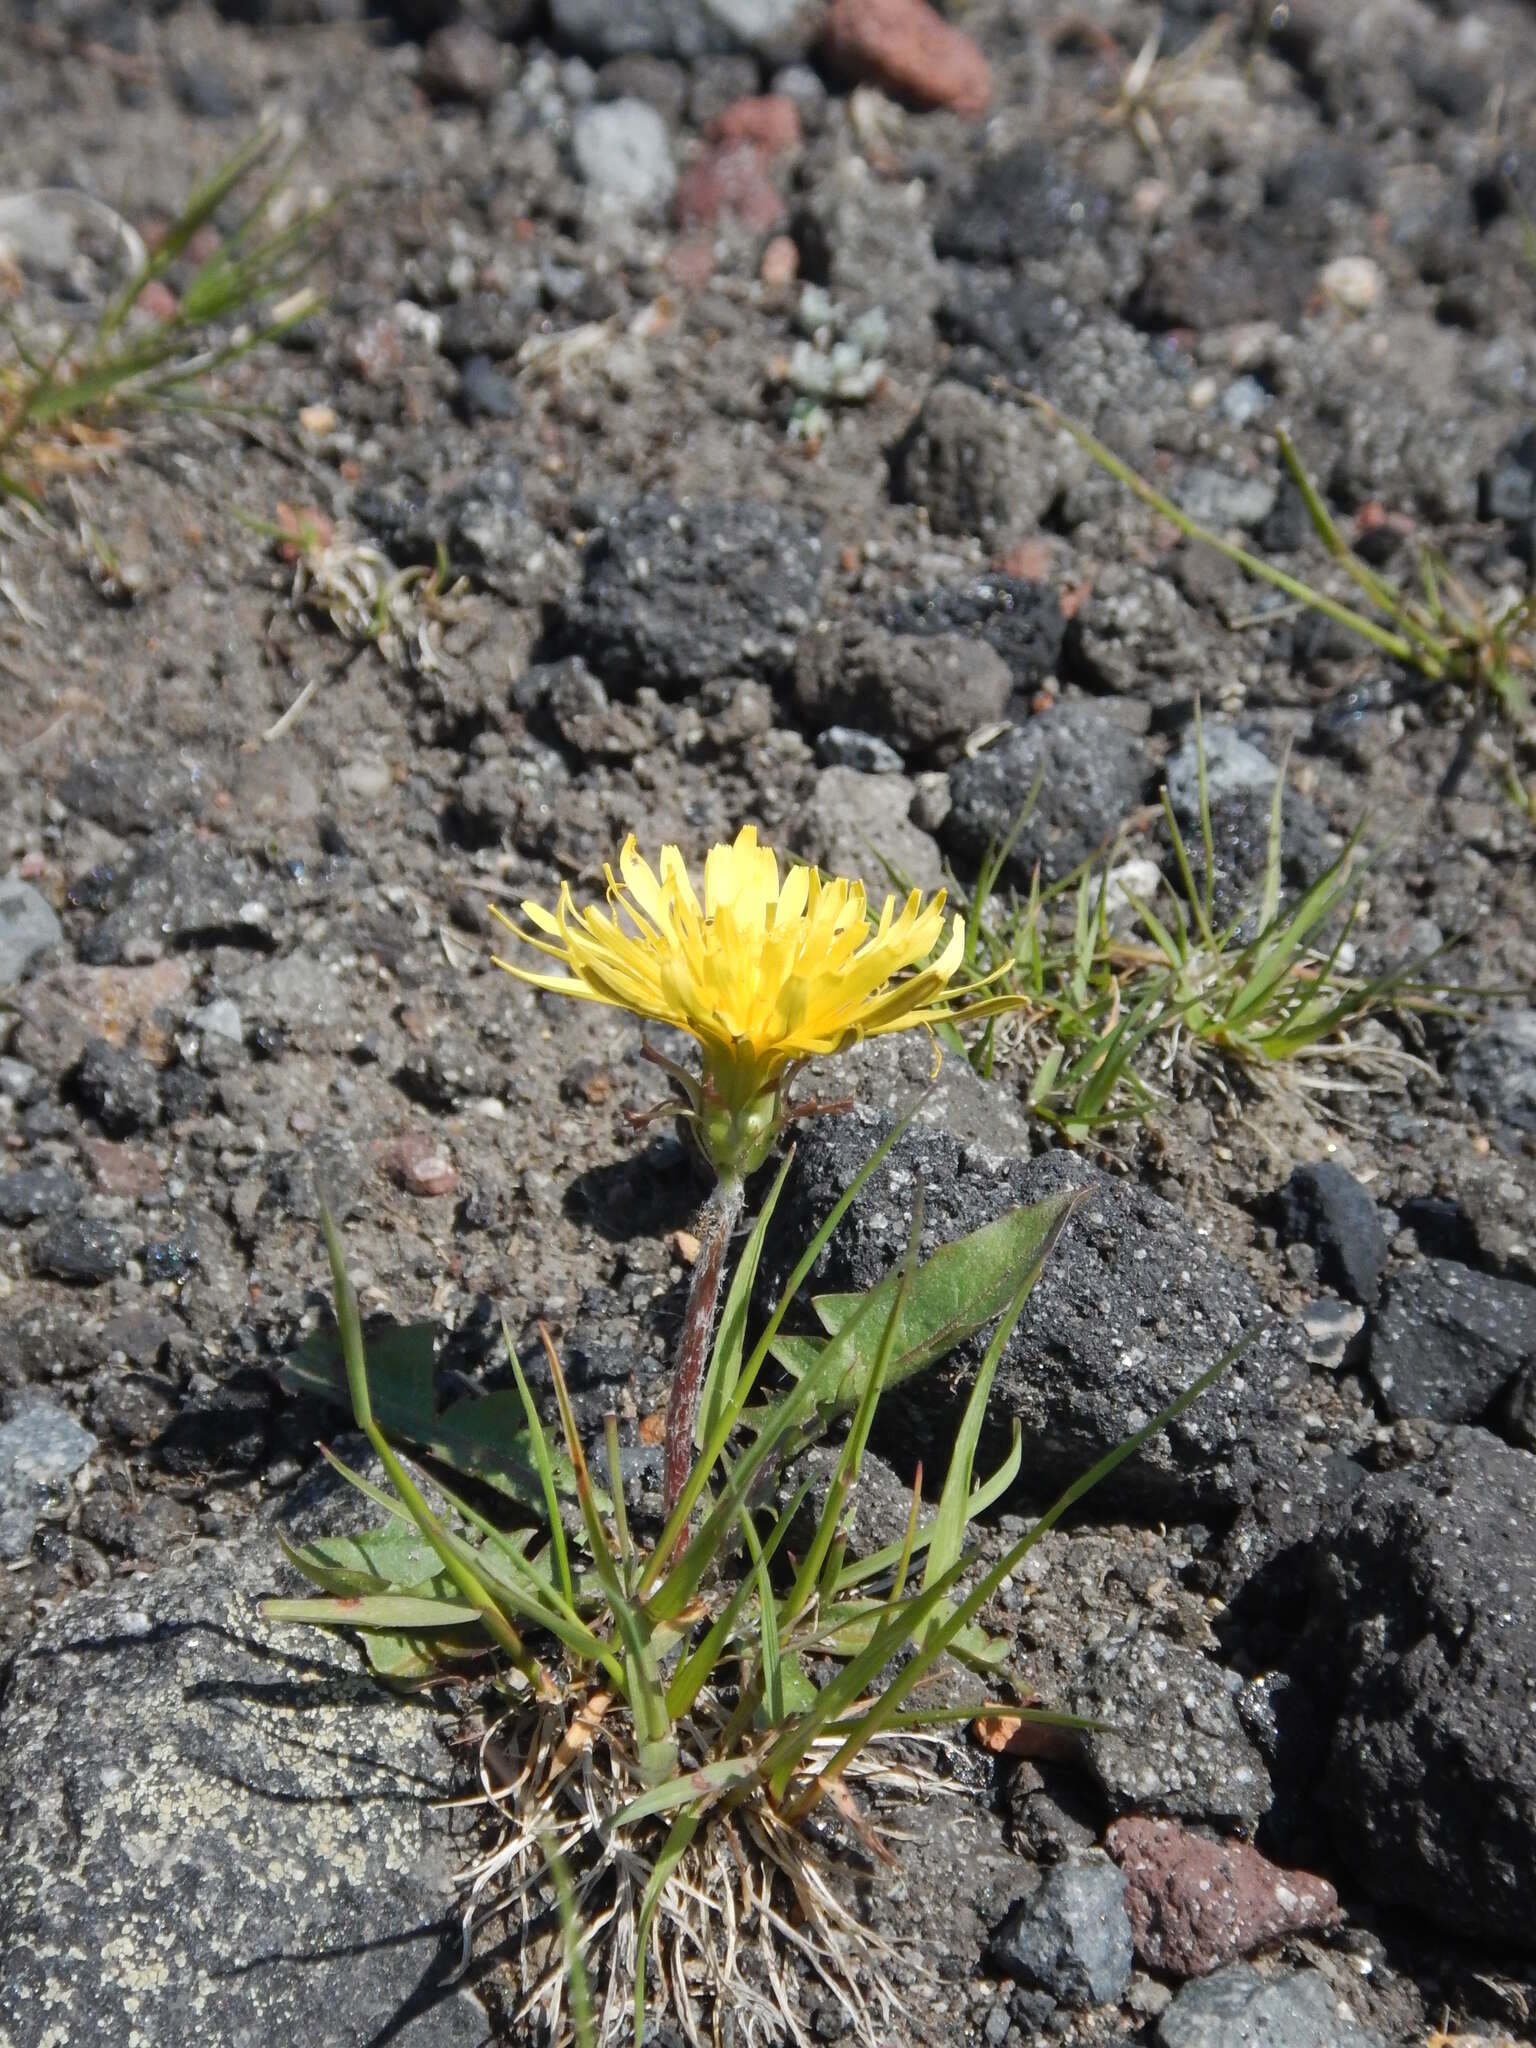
x,y
765,973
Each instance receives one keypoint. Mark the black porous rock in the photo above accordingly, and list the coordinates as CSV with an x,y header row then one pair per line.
x,y
678,595
1222,273
1428,1606
1269,1543
980,467
118,1088
1010,321
1090,772
1449,1339
220,1427
1323,1205
259,1796
1506,490
484,393
1025,205
1131,1306
491,324
33,1192
1023,621
82,1250
1171,1739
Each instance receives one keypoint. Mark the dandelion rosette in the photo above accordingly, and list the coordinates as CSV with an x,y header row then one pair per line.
x,y
765,974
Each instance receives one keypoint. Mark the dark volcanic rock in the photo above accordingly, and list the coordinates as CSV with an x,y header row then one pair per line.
x,y
678,595
479,521
1240,2008
1023,621
1222,273
1171,1740
84,1250
980,467
1322,1204
1127,1312
179,893
925,694
1428,1594
260,1804
492,324
1071,1937
1024,205
1011,321
1495,1069
118,1088
1090,773
1506,491
1450,1339
35,1192
131,793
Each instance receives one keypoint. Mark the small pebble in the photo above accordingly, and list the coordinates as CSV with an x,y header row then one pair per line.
x,y
1353,282
417,1162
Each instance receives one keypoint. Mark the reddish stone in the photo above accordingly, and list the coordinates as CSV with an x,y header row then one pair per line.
x,y
730,182
121,1169
911,51
690,264
781,262
772,121
158,300
1195,1905
60,1010
417,1162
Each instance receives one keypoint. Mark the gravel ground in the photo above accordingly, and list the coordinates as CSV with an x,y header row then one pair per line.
x,y
715,572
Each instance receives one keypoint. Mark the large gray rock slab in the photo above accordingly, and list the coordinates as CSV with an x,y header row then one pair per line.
x,y
216,1831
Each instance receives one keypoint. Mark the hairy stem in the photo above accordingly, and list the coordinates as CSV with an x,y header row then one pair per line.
x,y
716,1223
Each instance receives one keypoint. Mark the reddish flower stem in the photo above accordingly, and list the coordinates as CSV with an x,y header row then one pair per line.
x,y
693,1345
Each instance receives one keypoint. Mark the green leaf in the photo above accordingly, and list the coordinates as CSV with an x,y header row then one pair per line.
x,y
484,1436
703,1787
401,1657
956,1292
457,1560
382,1560
374,1610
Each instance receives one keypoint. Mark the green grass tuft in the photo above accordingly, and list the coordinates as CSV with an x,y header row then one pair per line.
x,y
668,1714
65,393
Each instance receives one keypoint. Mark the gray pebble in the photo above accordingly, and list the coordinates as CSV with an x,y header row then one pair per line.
x,y
1072,1937
623,152
28,927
